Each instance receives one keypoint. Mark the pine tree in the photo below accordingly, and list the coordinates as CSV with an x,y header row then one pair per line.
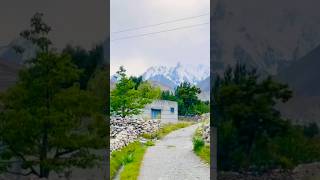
x,y
47,122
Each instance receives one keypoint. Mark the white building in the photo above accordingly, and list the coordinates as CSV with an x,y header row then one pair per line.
x,y
165,110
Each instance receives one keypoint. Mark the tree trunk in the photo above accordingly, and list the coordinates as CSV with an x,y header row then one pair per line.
x,y
44,171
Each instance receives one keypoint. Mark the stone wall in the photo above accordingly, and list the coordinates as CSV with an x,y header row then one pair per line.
x,y
206,133
126,130
205,127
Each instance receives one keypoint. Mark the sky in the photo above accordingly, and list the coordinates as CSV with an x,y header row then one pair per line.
x,y
77,22
187,45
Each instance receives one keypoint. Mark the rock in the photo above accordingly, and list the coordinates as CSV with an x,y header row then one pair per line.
x,y
123,131
205,131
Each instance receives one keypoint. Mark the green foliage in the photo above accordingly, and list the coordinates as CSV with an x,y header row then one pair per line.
x,y
169,127
200,148
127,99
46,120
252,134
132,169
166,129
149,143
137,81
204,153
136,151
202,107
130,157
198,143
168,95
98,85
187,97
311,130
86,60
147,136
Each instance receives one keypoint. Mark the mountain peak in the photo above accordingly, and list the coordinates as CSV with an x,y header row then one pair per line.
x,y
177,74
178,65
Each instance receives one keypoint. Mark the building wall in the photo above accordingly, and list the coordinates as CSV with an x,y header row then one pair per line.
x,y
165,107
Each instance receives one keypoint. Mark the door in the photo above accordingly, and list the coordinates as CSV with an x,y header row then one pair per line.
x,y
155,113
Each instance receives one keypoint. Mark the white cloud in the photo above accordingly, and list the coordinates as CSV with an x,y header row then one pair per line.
x,y
134,66
189,46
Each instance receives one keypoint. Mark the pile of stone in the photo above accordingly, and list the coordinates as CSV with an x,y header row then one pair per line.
x,y
206,133
126,130
205,117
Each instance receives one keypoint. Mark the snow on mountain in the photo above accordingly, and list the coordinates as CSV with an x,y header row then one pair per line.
x,y
173,76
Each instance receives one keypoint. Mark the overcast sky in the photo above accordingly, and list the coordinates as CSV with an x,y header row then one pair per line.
x,y
79,22
189,45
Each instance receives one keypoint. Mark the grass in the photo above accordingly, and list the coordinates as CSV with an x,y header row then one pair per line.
x,y
132,169
131,156
166,129
200,148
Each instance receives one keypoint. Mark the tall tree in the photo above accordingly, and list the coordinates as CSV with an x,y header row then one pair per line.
x,y
246,116
47,122
127,99
137,81
168,95
187,96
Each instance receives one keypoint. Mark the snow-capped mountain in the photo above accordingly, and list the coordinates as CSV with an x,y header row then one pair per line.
x,y
173,76
168,78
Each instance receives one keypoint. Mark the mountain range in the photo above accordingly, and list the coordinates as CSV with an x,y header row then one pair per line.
x,y
169,78
173,76
277,41
268,35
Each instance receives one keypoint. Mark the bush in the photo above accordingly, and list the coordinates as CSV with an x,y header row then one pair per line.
x,y
199,147
198,143
150,143
128,158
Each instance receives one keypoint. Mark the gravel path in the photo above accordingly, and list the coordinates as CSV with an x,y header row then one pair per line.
x,y
172,158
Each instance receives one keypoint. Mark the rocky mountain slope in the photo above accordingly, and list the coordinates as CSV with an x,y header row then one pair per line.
x,y
279,38
267,35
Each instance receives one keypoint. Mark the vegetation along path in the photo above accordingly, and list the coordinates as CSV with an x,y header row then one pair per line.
x,y
172,158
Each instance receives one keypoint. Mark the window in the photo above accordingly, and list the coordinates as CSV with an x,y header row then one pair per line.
x,y
172,110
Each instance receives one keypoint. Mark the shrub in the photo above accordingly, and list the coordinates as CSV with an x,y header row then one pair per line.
x,y
128,158
149,143
199,147
198,143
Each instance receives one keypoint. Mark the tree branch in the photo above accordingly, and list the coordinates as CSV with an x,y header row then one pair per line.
x,y
22,158
18,173
58,154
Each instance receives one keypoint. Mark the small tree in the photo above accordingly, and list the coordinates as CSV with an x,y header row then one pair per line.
x,y
47,122
127,99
